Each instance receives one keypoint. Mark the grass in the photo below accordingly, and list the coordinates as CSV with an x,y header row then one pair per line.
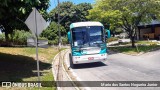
x,y
19,64
137,43
146,42
142,47
135,51
112,39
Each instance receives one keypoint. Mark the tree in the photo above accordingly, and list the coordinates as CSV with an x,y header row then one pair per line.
x,y
65,13
70,13
14,13
51,33
81,11
127,14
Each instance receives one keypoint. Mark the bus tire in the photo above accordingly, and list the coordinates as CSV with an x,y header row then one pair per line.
x,y
71,61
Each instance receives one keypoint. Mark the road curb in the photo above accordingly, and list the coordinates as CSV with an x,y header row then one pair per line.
x,y
53,69
55,73
74,74
68,74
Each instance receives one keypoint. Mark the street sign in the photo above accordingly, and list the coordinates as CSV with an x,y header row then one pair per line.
x,y
35,20
36,24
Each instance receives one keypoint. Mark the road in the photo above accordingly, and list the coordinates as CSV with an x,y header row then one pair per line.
x,y
121,67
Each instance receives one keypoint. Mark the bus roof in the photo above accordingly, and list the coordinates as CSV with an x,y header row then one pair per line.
x,y
82,24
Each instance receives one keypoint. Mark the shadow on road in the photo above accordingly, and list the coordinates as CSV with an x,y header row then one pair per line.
x,y
89,65
110,52
18,67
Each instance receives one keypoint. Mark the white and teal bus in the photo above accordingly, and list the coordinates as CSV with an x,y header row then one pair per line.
x,y
88,42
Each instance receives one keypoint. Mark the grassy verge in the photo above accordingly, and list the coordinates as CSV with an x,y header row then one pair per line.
x,y
19,64
135,51
146,42
112,39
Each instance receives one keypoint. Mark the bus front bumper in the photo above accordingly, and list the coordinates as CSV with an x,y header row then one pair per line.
x,y
89,58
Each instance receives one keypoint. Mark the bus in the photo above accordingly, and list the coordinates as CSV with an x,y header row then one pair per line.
x,y
88,42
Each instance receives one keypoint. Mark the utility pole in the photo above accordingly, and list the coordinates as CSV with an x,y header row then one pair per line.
x,y
59,33
60,75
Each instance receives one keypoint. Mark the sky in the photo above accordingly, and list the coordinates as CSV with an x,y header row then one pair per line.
x,y
53,3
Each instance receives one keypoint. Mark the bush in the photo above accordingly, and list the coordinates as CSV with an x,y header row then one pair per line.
x,y
64,40
53,42
51,32
42,38
20,37
2,37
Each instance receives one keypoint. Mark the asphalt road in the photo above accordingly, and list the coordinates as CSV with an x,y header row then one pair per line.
x,y
121,67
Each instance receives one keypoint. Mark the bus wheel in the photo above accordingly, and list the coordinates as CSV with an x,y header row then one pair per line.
x,y
71,61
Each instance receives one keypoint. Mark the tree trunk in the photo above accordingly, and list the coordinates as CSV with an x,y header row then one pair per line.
x,y
7,43
113,34
133,42
6,36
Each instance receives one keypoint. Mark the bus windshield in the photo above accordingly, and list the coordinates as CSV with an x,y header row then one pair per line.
x,y
87,36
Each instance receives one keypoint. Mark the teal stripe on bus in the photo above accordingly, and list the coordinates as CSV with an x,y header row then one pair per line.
x,y
71,26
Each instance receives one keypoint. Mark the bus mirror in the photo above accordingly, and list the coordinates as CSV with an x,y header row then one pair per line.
x,y
108,33
69,36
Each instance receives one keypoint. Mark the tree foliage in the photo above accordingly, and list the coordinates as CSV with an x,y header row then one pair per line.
x,y
127,14
70,13
18,37
51,33
14,13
